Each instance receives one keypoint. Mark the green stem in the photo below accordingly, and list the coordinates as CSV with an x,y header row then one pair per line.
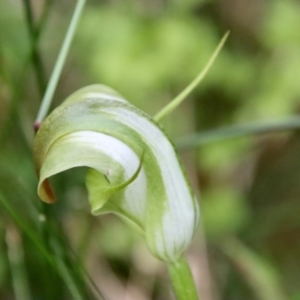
x,y
175,102
235,131
46,102
182,280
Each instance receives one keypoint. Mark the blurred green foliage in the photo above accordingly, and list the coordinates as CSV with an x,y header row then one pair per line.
x,y
149,51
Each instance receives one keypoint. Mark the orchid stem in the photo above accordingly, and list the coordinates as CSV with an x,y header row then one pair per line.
x,y
182,280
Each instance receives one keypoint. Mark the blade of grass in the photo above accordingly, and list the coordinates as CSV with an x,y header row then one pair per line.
x,y
26,229
68,275
175,102
68,257
89,279
46,102
35,54
257,272
235,131
17,265
56,261
18,87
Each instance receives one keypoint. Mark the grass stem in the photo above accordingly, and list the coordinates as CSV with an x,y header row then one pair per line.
x,y
27,230
17,265
235,131
19,85
46,102
35,54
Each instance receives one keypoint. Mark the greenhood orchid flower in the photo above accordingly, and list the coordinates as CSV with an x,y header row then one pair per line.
x,y
133,169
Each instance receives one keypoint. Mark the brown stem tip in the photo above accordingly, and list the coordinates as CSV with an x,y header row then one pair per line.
x,y
36,126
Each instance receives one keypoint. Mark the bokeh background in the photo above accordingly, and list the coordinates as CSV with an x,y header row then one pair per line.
x,y
248,245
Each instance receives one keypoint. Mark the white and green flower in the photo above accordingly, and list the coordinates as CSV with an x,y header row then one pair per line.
x,y
133,168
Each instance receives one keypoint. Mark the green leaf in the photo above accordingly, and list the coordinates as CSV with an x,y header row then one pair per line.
x,y
177,100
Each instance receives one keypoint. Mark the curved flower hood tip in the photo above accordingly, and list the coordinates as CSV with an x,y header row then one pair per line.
x,y
133,168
